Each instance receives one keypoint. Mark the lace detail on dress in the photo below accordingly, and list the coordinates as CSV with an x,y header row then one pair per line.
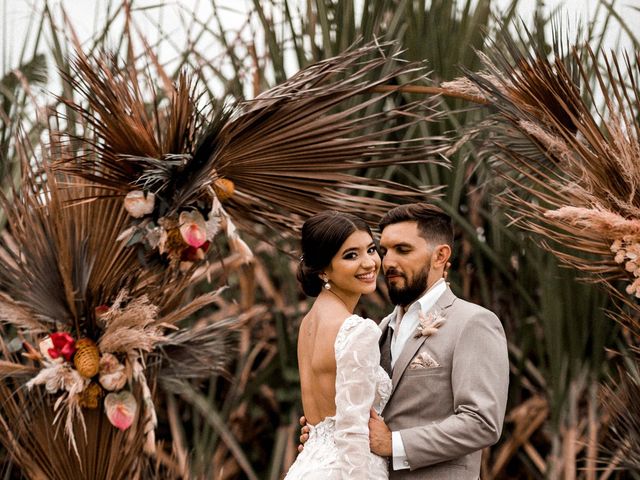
x,y
338,447
364,326
348,326
319,459
383,392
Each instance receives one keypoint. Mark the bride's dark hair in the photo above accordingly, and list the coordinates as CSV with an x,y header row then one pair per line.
x,y
322,236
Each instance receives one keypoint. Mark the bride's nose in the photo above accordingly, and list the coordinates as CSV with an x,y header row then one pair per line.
x,y
369,262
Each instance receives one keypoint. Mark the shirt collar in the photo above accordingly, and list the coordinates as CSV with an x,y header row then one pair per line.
x,y
429,299
425,302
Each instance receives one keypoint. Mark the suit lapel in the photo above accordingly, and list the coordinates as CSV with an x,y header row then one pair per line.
x,y
385,343
408,352
414,344
384,324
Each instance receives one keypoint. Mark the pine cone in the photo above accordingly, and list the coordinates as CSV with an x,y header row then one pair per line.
x,y
87,358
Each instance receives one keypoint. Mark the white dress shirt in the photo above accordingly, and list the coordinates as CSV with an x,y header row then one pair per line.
x,y
404,326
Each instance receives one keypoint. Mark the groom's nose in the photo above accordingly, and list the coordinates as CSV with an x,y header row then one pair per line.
x,y
388,261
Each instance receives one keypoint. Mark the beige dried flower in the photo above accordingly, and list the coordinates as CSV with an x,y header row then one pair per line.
x,y
113,376
429,323
627,252
137,204
44,346
634,288
601,221
616,245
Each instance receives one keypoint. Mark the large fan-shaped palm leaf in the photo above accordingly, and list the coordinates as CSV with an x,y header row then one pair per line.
x,y
574,173
289,153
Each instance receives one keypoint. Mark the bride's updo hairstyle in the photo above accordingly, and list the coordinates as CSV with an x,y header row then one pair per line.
x,y
322,236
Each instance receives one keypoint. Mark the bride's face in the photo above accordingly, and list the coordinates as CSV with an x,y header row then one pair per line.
x,y
354,269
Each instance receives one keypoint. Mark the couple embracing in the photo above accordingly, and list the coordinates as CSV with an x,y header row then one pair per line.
x,y
420,395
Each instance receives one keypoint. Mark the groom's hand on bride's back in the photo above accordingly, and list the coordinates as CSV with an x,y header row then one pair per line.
x,y
304,433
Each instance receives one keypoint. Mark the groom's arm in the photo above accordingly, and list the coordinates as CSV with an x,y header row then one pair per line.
x,y
479,378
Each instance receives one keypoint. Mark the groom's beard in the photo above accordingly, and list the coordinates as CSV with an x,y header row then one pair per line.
x,y
411,291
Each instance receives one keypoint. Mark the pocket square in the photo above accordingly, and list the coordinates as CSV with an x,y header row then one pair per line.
x,y
423,360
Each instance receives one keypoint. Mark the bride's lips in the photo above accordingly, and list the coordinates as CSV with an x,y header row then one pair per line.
x,y
369,277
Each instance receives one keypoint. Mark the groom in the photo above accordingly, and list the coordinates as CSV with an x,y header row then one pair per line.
x,y
447,357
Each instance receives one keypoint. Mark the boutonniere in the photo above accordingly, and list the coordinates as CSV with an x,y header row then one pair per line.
x,y
429,323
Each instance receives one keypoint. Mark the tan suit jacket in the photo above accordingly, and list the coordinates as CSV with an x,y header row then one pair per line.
x,y
447,414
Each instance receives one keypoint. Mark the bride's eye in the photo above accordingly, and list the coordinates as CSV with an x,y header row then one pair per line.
x,y
350,256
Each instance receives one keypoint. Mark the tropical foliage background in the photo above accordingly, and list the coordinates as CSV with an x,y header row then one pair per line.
x,y
567,351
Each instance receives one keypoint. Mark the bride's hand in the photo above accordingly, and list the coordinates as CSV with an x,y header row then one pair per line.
x,y
304,433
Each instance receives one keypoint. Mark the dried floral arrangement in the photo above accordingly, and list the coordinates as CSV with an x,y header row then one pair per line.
x,y
95,329
577,176
103,241
572,148
263,165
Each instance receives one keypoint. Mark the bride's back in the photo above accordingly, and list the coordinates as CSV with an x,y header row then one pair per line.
x,y
316,359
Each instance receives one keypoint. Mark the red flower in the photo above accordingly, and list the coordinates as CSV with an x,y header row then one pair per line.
x,y
193,254
63,344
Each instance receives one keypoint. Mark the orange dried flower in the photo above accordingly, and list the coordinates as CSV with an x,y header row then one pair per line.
x,y
90,396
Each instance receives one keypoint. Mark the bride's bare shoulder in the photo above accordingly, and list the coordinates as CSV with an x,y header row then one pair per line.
x,y
327,319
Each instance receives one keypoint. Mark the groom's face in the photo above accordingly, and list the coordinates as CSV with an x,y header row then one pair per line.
x,y
406,262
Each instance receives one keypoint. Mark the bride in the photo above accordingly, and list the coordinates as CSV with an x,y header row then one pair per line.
x,y
338,353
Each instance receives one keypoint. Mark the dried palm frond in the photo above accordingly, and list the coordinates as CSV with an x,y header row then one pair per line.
x,y
75,291
196,304
40,447
573,171
20,317
13,369
196,353
271,161
622,401
64,259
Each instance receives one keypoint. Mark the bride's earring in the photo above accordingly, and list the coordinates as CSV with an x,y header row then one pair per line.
x,y
326,285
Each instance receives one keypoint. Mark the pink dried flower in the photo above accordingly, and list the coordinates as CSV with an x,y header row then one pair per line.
x,y
121,409
193,228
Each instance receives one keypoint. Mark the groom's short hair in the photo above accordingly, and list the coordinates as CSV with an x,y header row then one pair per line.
x,y
433,223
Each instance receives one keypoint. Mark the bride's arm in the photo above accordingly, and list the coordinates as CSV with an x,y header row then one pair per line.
x,y
357,358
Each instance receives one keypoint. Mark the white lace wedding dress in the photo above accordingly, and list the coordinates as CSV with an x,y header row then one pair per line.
x,y
338,446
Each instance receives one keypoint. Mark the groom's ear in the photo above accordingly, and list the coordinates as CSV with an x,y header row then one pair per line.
x,y
440,256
